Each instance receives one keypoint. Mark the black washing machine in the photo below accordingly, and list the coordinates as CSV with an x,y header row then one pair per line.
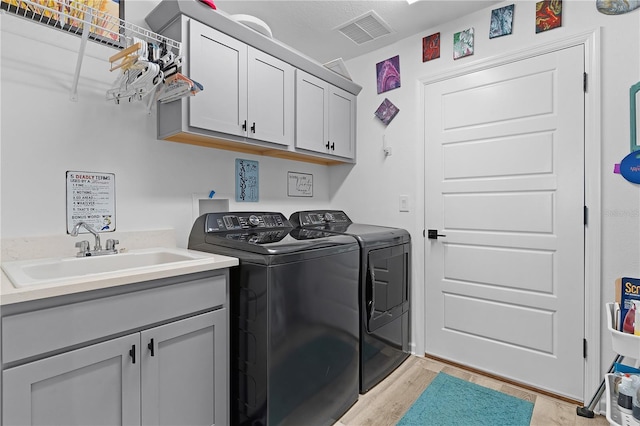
x,y
385,272
294,322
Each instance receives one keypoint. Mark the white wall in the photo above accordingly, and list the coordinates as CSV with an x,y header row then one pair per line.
x,y
44,134
381,180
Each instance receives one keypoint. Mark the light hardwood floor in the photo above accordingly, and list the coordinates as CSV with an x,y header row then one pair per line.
x,y
386,403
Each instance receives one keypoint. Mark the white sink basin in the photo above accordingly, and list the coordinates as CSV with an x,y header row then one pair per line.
x,y
36,272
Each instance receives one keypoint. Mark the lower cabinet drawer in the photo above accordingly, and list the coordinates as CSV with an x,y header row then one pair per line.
x,y
32,333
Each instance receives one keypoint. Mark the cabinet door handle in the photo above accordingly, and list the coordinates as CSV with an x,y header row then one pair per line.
x,y
132,354
244,125
253,128
151,347
327,145
333,146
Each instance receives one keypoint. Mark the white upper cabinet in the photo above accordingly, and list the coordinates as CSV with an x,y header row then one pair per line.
x,y
260,96
247,93
325,117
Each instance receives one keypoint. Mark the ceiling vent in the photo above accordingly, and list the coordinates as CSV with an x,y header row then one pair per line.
x,y
367,27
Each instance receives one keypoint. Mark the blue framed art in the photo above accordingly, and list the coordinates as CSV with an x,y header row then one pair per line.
x,y
247,180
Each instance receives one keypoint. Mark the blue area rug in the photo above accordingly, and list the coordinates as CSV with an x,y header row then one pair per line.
x,y
452,401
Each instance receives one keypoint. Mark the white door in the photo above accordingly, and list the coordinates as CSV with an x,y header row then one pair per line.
x,y
504,182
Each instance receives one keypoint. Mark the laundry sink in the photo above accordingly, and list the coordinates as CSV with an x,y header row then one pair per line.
x,y
36,272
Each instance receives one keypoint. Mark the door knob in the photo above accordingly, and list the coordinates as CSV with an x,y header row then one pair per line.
x,y
432,234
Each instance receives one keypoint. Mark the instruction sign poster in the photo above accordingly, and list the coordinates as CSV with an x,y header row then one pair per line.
x,y
91,199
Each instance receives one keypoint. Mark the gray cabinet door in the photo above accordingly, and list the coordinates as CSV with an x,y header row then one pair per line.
x,y
219,63
270,102
185,372
95,385
312,113
325,117
342,122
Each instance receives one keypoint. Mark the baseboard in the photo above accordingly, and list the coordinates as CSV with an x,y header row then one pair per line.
x,y
503,379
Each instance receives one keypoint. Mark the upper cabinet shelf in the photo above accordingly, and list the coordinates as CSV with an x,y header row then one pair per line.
x,y
77,18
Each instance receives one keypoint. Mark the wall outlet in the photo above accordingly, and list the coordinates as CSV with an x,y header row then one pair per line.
x,y
404,203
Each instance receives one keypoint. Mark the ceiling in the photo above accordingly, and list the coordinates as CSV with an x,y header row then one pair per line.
x,y
310,26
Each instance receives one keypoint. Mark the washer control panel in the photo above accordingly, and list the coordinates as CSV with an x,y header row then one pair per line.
x,y
230,221
319,217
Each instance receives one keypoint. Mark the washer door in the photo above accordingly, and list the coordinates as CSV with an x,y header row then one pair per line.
x,y
387,286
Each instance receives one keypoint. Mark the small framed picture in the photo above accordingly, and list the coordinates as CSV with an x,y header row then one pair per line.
x,y
463,44
299,184
431,47
501,21
548,15
386,111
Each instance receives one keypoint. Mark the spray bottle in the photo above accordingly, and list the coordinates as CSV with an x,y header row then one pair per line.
x,y
636,324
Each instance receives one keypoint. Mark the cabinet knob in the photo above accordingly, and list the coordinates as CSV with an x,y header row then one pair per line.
x,y
327,145
253,128
244,125
132,354
151,347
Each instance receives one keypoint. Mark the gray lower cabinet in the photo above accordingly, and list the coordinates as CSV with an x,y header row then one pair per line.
x,y
94,385
179,380
173,371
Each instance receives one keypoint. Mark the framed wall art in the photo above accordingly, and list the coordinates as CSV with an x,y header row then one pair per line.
x,y
299,184
247,180
388,74
548,15
386,111
501,21
463,44
431,47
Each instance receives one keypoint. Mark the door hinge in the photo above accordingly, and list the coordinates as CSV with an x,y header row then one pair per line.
x,y
584,348
584,82
585,215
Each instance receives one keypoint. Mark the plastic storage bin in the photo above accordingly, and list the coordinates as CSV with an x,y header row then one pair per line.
x,y
616,417
625,344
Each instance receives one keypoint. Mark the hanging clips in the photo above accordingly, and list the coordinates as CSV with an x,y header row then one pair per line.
x,y
149,68
138,76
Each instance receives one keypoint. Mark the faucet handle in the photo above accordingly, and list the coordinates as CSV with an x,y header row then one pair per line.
x,y
83,246
111,244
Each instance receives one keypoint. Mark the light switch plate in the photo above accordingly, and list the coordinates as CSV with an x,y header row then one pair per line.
x,y
404,203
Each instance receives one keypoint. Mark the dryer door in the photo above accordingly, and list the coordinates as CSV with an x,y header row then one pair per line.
x,y
387,285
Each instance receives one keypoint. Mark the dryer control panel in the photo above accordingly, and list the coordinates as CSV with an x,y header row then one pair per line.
x,y
319,217
230,221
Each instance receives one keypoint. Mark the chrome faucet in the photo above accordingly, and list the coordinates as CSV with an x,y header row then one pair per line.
x,y
97,249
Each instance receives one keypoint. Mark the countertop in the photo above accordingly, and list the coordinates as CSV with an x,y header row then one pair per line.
x,y
206,262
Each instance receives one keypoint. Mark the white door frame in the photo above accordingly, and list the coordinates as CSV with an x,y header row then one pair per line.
x,y
592,181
